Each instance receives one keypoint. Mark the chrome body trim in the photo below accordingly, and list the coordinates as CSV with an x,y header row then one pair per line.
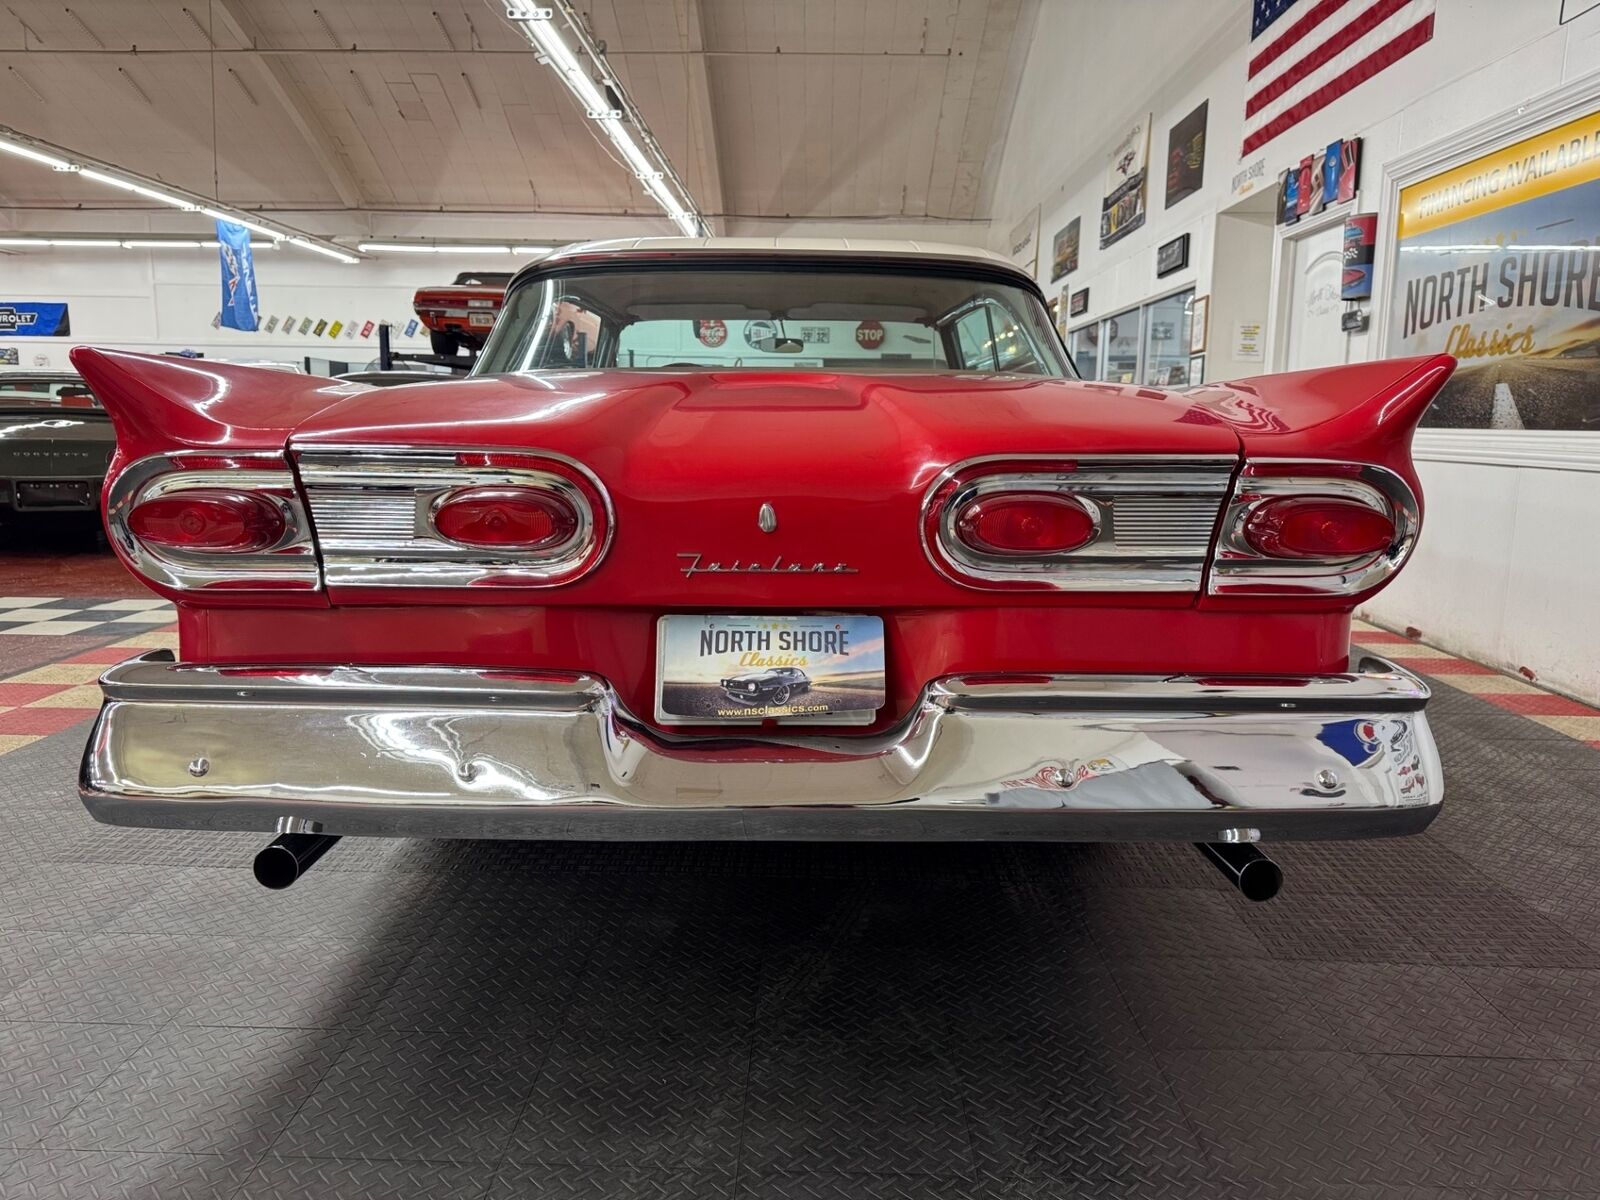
x,y
449,752
1239,569
1154,521
289,565
373,507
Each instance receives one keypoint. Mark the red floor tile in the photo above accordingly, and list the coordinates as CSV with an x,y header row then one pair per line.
x,y
1542,704
103,654
27,693
42,720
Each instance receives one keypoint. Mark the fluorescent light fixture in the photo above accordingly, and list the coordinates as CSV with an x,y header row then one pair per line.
x,y
448,248
563,60
25,146
250,225
128,185
103,243
125,243
49,160
648,162
330,251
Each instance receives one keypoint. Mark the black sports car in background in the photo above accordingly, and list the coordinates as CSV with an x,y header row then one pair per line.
x,y
775,686
55,442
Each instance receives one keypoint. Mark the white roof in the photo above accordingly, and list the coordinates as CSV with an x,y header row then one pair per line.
x,y
782,245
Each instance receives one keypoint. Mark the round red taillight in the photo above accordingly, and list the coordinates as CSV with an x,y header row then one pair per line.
x,y
506,518
1022,524
210,519
1317,527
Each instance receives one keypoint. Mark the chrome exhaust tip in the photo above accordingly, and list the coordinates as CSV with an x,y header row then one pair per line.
x,y
290,856
1255,875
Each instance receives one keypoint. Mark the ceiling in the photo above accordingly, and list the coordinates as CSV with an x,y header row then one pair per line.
x,y
838,110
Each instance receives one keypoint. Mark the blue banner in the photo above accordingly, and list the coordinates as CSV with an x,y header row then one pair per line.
x,y
26,319
239,307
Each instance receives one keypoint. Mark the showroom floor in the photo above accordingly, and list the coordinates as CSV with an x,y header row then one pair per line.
x,y
1418,1018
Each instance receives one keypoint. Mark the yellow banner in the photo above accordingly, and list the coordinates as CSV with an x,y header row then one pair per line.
x,y
1536,166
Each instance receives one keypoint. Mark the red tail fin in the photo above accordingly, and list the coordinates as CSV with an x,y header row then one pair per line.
x,y
167,403
1365,412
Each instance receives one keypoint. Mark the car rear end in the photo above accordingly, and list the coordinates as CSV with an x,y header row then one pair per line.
x,y
55,444
1042,610
465,311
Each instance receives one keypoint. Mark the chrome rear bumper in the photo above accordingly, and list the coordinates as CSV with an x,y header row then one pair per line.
x,y
443,752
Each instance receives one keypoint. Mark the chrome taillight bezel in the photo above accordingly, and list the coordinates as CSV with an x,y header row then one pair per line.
x,y
288,565
1112,559
414,483
1239,569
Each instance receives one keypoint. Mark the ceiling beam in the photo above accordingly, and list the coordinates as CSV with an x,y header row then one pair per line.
x,y
702,116
235,18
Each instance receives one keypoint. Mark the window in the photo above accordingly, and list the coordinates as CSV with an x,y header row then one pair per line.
x,y
1120,341
1148,345
1166,340
765,314
1084,345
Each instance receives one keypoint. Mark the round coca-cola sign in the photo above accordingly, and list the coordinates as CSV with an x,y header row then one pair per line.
x,y
869,335
711,333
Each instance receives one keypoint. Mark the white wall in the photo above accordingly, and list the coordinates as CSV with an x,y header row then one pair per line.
x,y
1499,574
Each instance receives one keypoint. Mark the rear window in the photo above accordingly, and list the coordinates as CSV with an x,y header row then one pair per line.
x,y
772,316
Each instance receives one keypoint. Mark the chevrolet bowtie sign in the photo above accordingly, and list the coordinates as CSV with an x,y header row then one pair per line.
x,y
34,320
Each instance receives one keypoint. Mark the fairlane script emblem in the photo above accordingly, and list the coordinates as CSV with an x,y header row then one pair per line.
x,y
695,564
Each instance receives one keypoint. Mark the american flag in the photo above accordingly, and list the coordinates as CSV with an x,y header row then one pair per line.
x,y
1305,54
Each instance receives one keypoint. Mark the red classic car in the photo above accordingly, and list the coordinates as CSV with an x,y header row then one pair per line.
x,y
1027,606
463,313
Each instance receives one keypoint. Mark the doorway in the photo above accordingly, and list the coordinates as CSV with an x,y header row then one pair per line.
x,y
1241,289
1306,331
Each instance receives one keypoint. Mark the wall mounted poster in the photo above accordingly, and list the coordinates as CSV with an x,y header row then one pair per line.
x,y
1498,263
1186,155
1127,177
1064,250
32,318
1024,242
1172,256
1360,234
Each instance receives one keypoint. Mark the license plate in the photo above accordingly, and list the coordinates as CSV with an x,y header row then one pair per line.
x,y
481,320
717,669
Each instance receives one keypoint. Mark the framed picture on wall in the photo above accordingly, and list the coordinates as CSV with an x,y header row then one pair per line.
x,y
1197,369
1199,321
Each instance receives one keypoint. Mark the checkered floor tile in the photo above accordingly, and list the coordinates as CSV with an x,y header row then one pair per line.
x,y
53,616
47,699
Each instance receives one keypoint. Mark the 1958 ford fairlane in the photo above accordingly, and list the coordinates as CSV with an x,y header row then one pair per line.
x,y
1028,606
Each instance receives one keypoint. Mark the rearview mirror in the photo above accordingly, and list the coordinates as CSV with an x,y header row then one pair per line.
x,y
780,345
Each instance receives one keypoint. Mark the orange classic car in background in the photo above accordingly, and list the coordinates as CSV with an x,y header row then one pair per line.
x,y
462,314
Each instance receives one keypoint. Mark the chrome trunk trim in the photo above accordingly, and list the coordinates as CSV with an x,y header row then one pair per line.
x,y
446,752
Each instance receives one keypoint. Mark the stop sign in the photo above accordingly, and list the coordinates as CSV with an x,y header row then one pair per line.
x,y
869,335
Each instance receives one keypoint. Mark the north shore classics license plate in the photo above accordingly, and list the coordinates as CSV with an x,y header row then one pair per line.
x,y
714,670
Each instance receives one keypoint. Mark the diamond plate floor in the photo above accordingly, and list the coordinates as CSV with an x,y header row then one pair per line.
x,y
1416,1019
